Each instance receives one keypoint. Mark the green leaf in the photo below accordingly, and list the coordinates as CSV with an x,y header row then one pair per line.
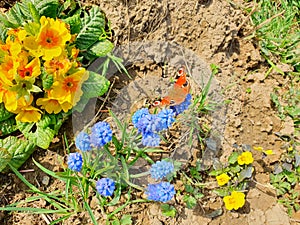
x,y
221,192
92,28
42,132
19,149
47,80
245,173
235,169
47,8
74,22
233,157
4,114
3,32
126,220
8,126
190,201
96,85
5,158
34,12
168,210
101,48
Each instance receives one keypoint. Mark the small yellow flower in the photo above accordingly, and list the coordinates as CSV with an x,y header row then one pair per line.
x,y
261,149
234,201
245,158
222,179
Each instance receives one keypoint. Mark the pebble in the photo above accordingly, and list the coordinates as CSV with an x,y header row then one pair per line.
x,y
46,180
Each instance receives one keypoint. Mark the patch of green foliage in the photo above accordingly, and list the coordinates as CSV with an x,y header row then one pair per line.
x,y
278,30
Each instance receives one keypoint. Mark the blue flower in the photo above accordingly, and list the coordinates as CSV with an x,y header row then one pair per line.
x,y
82,141
161,169
149,124
151,139
162,192
105,186
183,106
75,161
101,134
138,115
167,117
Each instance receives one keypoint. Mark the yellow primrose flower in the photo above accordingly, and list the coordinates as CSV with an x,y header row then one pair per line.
x,y
52,105
8,69
222,179
2,91
68,88
32,46
28,114
245,158
234,201
32,69
10,100
58,67
52,37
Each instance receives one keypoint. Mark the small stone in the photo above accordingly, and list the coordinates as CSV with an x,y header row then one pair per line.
x,y
45,180
235,215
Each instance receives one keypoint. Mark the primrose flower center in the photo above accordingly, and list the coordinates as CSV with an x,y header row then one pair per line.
x,y
70,85
25,72
49,39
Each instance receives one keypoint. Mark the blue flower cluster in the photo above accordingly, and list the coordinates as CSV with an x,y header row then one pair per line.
x,y
149,125
162,192
83,141
100,135
160,169
105,186
75,161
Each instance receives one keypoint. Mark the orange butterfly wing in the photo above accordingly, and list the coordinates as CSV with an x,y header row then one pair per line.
x,y
178,93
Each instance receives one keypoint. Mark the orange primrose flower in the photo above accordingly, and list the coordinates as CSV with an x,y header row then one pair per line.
x,y
52,37
32,69
58,67
68,88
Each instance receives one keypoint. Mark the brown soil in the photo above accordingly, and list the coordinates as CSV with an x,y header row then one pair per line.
x,y
214,31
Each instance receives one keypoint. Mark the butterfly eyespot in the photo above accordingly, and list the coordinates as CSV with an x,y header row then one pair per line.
x,y
180,71
172,102
156,103
185,84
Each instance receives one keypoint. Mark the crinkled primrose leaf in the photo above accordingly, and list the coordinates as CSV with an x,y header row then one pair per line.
x,y
92,27
8,126
42,132
96,85
18,149
4,114
102,48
